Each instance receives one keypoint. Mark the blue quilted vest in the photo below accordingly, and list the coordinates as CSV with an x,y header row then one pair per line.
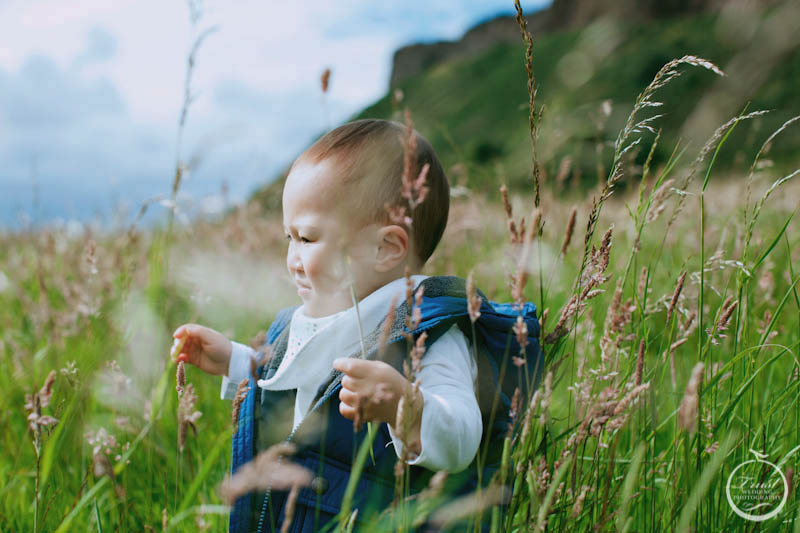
x,y
327,443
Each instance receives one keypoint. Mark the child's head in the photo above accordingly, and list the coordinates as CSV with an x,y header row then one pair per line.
x,y
334,206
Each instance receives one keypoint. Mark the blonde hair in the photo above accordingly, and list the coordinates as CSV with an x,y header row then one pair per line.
x,y
369,156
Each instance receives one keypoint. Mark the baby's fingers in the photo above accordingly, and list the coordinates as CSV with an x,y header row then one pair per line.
x,y
177,347
349,397
347,411
353,366
188,330
187,341
342,364
183,357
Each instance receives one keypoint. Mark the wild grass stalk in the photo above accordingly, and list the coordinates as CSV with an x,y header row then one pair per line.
x,y
188,99
534,115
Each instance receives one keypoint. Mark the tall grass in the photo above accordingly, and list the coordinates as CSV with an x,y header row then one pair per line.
x,y
657,385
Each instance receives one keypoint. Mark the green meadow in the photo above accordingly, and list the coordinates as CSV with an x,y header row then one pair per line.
x,y
664,268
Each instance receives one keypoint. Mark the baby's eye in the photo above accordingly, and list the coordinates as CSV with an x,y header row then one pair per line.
x,y
304,240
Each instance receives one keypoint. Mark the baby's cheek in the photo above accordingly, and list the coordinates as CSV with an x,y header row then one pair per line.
x,y
331,269
314,268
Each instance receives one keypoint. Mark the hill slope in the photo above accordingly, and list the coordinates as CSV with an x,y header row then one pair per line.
x,y
474,109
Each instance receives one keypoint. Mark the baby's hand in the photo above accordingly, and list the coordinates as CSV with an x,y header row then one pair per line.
x,y
205,348
371,386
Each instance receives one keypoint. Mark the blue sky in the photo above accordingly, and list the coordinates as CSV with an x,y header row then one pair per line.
x,y
90,92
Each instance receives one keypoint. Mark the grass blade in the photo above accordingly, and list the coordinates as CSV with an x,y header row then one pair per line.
x,y
220,444
623,521
773,244
702,485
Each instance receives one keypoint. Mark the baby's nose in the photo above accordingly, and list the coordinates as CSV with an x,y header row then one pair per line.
x,y
293,261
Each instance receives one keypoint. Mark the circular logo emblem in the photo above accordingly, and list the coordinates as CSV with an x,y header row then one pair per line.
x,y
757,489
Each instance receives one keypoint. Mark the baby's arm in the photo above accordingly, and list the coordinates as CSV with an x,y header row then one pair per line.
x,y
451,426
238,369
449,432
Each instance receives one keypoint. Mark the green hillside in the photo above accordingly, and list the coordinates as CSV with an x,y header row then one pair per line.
x,y
474,110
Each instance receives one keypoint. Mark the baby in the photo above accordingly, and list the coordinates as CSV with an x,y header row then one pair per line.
x,y
345,241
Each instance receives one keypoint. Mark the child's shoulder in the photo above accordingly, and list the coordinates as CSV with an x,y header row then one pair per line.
x,y
444,286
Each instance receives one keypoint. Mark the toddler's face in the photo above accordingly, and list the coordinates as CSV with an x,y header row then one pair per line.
x,y
321,231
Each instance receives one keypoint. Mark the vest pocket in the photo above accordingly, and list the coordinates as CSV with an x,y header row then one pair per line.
x,y
373,493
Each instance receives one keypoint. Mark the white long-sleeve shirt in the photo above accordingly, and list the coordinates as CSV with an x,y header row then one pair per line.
x,y
451,427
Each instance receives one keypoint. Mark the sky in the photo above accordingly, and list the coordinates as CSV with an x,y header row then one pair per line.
x,y
90,94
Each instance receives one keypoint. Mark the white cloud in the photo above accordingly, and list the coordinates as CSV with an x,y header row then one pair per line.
x,y
92,90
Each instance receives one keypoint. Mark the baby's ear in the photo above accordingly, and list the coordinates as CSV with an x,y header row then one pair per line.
x,y
392,247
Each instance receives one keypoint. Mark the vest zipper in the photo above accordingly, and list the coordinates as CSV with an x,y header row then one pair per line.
x,y
288,440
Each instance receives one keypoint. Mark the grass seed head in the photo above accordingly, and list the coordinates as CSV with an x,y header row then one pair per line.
x,y
101,466
569,231
386,329
187,415
521,332
473,300
241,393
687,412
469,505
46,392
269,469
546,397
675,295
180,378
577,507
637,380
258,341
640,289
658,203
325,79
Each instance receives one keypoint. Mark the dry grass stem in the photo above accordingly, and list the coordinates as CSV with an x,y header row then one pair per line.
x,y
291,500
707,149
534,117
